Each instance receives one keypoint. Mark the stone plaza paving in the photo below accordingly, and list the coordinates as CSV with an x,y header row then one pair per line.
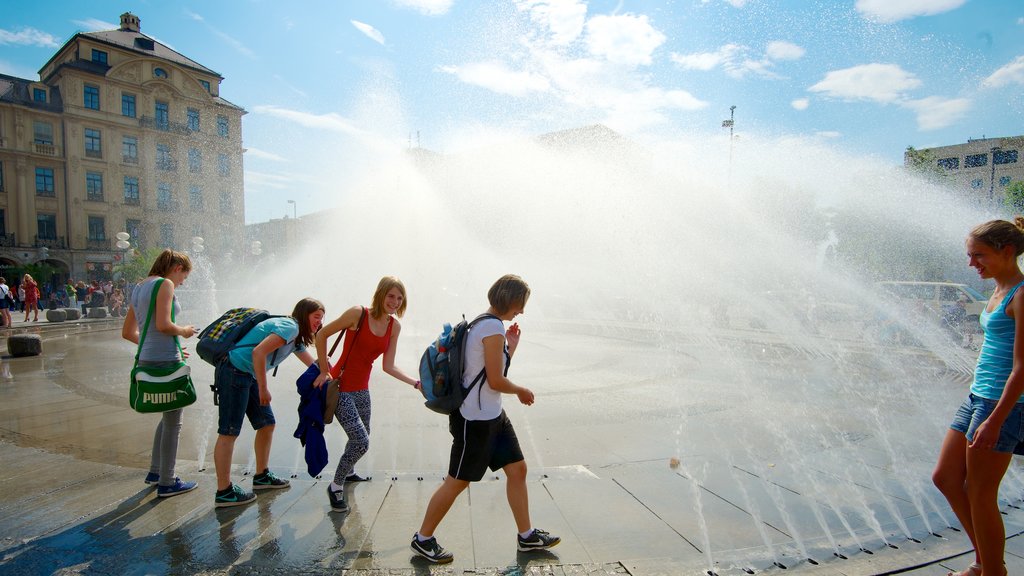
x,y
72,500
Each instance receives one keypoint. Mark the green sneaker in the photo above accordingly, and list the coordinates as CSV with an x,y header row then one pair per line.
x,y
233,496
268,481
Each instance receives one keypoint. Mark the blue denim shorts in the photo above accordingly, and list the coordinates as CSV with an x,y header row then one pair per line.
x,y
975,410
239,397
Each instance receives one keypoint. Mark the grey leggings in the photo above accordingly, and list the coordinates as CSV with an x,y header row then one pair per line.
x,y
165,446
353,413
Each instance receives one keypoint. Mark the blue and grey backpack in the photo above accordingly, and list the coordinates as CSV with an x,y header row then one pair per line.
x,y
442,365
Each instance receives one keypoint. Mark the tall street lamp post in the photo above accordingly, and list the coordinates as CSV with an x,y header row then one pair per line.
x,y
992,181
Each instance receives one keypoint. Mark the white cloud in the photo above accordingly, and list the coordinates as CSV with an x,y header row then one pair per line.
x,y
828,134
873,82
564,19
800,103
1020,20
781,50
427,7
370,32
95,25
936,112
228,39
1012,73
895,10
251,152
330,122
733,3
700,61
497,77
623,39
28,37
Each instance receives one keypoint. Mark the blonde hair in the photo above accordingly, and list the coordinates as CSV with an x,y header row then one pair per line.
x,y
510,290
166,262
1000,233
383,287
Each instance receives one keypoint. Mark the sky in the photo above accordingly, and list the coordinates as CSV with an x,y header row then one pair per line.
x,y
327,83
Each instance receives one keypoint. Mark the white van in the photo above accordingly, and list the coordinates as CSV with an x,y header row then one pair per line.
x,y
937,295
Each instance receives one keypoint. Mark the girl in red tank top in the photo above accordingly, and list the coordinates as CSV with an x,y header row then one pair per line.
x,y
370,335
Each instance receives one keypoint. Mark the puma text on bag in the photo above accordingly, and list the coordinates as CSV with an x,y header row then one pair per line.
x,y
442,365
160,388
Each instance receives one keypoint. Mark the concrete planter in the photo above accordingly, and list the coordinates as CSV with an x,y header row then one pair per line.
x,y
97,312
58,315
24,345
72,313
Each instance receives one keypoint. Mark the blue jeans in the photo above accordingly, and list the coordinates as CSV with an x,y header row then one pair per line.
x,y
239,397
976,409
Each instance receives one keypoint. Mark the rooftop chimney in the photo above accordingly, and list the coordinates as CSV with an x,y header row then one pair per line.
x,y
130,22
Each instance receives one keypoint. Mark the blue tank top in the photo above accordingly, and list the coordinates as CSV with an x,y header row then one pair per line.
x,y
995,362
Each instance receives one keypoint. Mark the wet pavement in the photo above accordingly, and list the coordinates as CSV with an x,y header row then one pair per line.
x,y
625,484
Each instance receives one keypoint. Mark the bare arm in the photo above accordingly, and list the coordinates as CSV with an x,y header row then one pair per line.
x,y
259,364
388,364
130,328
348,320
987,433
305,357
494,365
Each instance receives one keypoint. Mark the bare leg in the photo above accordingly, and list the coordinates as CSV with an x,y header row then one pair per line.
x,y
264,437
985,470
222,452
950,477
440,503
518,495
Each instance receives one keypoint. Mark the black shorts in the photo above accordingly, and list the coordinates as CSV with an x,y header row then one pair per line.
x,y
481,444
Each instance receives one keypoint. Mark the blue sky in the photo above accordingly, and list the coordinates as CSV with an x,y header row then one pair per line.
x,y
328,83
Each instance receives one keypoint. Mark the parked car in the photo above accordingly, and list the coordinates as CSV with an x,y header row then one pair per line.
x,y
938,296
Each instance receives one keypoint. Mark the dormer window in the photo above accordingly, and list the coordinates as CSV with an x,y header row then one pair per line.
x,y
205,84
159,73
99,56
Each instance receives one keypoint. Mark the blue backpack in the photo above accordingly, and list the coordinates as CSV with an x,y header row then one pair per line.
x,y
442,365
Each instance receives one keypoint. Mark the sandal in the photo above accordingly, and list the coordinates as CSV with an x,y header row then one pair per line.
x,y
973,570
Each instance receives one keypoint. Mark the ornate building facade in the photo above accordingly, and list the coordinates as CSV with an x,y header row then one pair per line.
x,y
119,134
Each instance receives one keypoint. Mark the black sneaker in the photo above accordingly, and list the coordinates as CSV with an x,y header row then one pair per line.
x,y
539,540
431,550
268,481
338,503
353,477
235,496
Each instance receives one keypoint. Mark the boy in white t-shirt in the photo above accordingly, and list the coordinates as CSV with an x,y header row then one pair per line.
x,y
5,303
482,435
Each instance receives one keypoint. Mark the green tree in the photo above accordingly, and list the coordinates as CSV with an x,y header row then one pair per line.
x,y
1014,199
136,264
924,163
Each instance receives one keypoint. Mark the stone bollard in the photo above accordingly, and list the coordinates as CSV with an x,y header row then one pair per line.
x,y
97,312
56,315
24,345
72,313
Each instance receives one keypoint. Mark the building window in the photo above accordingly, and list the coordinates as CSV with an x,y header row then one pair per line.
x,y
1004,180
193,119
162,115
97,228
195,198
164,161
195,160
43,132
949,163
44,182
39,95
46,226
131,190
223,165
130,150
167,235
91,97
205,84
94,186
1004,156
976,183
222,126
159,73
225,203
93,144
99,56
128,105
164,196
975,160
134,230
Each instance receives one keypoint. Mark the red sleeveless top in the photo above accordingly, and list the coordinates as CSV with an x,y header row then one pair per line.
x,y
358,359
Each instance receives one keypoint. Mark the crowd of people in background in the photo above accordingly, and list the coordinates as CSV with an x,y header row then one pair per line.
x,y
29,296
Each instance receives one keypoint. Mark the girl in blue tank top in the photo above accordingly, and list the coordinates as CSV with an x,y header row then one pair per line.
x,y
988,428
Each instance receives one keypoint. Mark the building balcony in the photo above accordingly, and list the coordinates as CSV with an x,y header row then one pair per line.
x,y
7,240
97,244
133,160
164,126
98,154
50,242
131,201
44,149
167,165
169,206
